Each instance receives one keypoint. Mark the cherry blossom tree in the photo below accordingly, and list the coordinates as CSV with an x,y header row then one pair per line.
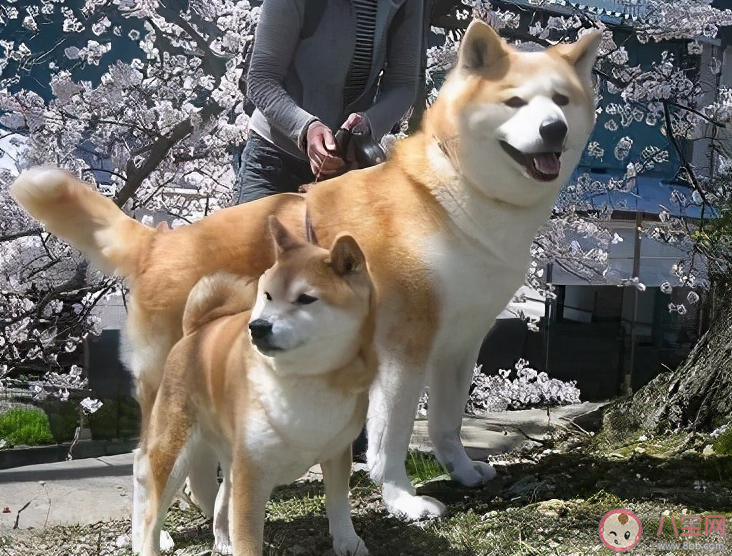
x,y
155,133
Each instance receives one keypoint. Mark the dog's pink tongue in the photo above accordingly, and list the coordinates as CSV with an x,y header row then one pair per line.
x,y
547,163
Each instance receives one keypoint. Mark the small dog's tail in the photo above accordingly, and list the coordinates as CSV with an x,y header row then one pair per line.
x,y
72,210
215,296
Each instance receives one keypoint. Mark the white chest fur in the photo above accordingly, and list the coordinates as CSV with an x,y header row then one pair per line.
x,y
480,263
295,419
471,285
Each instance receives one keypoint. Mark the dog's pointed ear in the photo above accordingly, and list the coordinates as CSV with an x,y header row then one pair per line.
x,y
284,239
481,46
346,256
582,53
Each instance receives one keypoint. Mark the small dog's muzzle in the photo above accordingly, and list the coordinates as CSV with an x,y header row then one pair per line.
x,y
260,329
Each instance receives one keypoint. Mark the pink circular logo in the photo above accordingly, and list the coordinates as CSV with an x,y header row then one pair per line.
x,y
620,530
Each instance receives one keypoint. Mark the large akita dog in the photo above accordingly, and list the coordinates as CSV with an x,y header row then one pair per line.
x,y
446,225
295,395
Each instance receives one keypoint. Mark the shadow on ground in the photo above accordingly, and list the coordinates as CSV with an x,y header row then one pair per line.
x,y
702,483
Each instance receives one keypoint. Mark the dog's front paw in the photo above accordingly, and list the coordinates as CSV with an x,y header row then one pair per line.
x,y
474,474
350,546
166,542
408,507
223,546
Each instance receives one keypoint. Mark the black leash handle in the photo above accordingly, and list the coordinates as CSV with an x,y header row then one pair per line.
x,y
359,148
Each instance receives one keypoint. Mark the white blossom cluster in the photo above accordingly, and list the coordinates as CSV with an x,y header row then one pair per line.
x,y
576,243
58,385
681,19
529,388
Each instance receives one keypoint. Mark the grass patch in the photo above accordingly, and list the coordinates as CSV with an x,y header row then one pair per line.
x,y
422,466
28,427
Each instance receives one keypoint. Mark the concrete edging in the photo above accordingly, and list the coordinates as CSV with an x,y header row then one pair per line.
x,y
32,455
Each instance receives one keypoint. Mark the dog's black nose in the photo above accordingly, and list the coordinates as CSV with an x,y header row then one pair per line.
x,y
553,132
260,328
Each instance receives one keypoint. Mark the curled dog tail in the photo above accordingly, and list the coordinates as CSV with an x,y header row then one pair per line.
x,y
215,296
72,210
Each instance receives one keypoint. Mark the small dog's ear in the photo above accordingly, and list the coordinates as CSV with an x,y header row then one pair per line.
x,y
346,256
284,239
481,47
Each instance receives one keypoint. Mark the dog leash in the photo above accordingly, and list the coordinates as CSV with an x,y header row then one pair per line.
x,y
309,230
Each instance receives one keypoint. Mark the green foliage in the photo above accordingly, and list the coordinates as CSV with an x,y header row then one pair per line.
x,y
28,427
723,444
63,416
713,237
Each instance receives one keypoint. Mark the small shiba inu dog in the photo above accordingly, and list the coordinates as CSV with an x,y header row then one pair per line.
x,y
446,225
271,391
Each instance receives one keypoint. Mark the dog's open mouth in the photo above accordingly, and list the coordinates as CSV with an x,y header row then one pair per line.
x,y
540,166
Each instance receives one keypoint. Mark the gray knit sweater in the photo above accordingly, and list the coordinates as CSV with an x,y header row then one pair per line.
x,y
293,81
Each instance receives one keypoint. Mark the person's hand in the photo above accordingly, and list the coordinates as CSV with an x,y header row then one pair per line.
x,y
357,123
321,150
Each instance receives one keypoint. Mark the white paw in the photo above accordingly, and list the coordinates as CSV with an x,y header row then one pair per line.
x,y
350,546
166,542
411,508
474,474
223,547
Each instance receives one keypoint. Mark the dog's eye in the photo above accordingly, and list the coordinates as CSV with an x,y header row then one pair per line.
x,y
560,99
305,299
515,102
267,296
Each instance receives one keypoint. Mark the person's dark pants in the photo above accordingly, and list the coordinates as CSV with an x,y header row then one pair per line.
x,y
266,170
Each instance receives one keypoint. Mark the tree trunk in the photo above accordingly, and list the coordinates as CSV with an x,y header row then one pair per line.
x,y
697,396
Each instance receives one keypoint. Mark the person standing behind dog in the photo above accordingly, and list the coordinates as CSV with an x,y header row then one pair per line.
x,y
359,69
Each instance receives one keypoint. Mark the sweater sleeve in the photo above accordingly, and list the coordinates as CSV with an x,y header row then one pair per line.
x,y
400,80
276,40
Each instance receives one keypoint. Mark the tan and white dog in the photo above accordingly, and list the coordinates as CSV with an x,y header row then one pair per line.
x,y
272,391
446,225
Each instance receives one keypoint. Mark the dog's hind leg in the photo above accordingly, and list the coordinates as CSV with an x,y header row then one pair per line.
x,y
141,469
449,388
392,405
146,350
336,474
167,474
